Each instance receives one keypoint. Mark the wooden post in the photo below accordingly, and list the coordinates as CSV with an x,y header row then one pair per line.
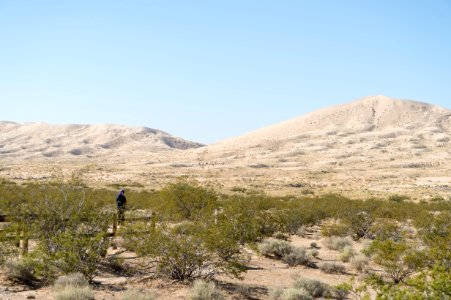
x,y
216,216
114,225
113,244
23,243
153,220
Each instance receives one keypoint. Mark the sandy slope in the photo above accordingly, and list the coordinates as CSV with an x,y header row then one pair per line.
x,y
366,147
40,140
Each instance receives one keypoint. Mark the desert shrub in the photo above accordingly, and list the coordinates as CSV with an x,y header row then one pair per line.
x,y
314,245
302,231
346,254
186,199
297,257
275,248
398,198
70,280
137,295
315,288
358,224
182,253
434,231
313,252
336,243
202,290
341,291
398,259
72,287
8,248
360,262
334,229
289,294
332,268
384,229
21,271
74,293
68,225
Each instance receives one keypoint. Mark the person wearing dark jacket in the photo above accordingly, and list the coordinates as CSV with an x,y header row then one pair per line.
x,y
121,202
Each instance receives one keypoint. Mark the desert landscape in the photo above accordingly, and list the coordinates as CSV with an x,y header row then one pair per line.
x,y
358,149
340,203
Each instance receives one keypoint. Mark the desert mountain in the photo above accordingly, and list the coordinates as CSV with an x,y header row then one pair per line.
x,y
367,115
364,147
34,140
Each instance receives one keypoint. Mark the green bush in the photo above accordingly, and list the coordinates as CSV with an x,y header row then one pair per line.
x,y
205,291
187,200
68,225
184,251
398,259
385,229
334,229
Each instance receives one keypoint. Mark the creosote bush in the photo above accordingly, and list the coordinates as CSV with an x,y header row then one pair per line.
x,y
398,259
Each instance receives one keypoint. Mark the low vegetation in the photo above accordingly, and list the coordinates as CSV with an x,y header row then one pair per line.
x,y
196,232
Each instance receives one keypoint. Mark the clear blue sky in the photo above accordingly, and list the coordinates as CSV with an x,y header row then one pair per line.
x,y
208,70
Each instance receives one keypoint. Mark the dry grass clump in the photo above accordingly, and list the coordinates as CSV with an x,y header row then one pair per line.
x,y
205,291
72,287
293,256
303,289
360,262
275,248
313,253
315,288
332,268
336,242
289,294
137,295
297,257
347,253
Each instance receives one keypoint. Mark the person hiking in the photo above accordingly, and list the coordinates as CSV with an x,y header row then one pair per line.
x,y
121,202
